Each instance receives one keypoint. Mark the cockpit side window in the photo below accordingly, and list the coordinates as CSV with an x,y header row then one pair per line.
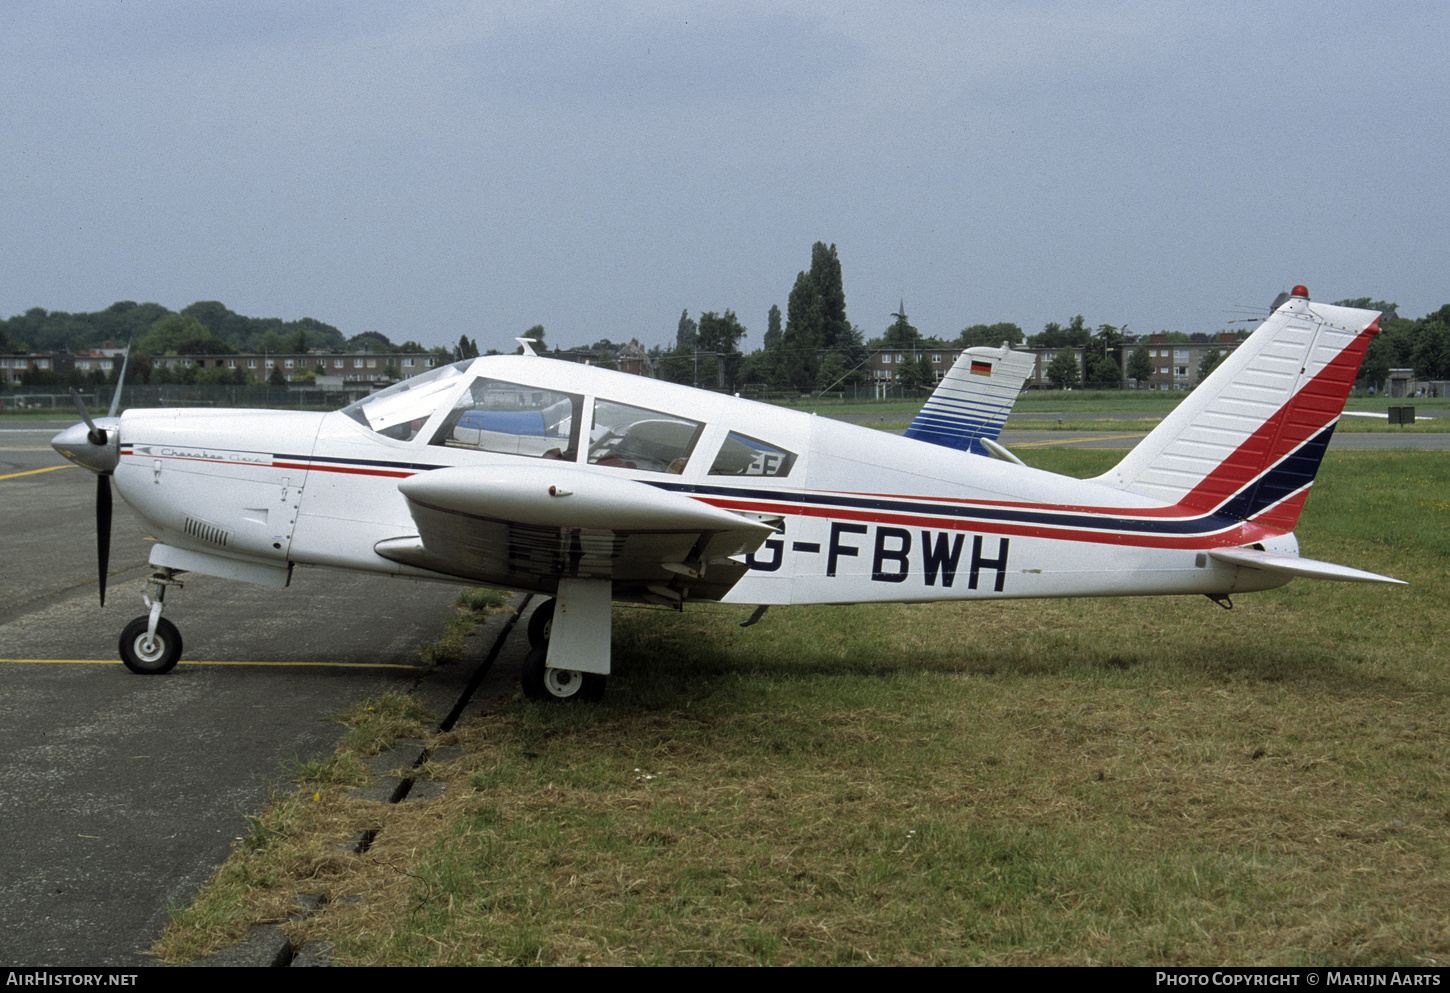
x,y
745,456
636,438
401,410
497,416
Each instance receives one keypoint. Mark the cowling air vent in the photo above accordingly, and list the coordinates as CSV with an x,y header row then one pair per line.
x,y
210,533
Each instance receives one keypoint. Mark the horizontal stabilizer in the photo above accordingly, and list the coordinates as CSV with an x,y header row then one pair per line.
x,y
997,451
1292,565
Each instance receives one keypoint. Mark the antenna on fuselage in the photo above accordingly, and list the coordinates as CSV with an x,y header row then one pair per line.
x,y
528,346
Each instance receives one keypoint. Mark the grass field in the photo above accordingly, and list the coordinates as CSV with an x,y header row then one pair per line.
x,y
1124,781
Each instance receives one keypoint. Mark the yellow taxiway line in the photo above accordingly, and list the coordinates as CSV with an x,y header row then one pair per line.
x,y
31,472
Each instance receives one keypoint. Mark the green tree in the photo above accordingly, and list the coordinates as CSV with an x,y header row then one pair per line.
x,y
915,373
219,320
370,341
1208,363
815,319
901,334
1104,374
676,366
1063,371
1431,354
466,349
216,376
719,336
772,329
1389,311
830,292
686,333
169,333
759,367
832,372
802,338
991,335
1054,335
854,355
1140,366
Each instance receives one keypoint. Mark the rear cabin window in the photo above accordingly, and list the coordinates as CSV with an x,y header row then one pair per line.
x,y
637,438
497,416
746,456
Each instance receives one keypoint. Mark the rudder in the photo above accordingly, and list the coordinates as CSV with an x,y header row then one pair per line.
x,y
1249,439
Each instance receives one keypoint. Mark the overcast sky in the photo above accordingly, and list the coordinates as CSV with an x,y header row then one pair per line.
x,y
431,169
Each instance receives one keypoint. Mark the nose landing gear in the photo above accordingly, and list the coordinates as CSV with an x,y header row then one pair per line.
x,y
151,645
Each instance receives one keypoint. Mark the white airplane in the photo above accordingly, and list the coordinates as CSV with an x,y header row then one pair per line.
x,y
973,401
592,486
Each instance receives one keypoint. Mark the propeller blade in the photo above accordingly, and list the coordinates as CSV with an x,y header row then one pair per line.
x,y
120,381
97,436
103,528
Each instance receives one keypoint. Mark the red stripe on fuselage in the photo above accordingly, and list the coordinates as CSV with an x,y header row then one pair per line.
x,y
1245,533
346,469
274,464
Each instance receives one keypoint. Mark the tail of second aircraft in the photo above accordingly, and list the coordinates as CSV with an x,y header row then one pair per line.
x,y
1248,440
973,400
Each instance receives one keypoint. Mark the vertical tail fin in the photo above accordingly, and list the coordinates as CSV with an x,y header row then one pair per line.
x,y
973,399
1249,439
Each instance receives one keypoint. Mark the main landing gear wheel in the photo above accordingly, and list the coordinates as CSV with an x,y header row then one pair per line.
x,y
542,683
150,656
541,621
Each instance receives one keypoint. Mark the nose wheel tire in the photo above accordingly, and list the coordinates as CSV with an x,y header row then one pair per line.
x,y
542,683
150,656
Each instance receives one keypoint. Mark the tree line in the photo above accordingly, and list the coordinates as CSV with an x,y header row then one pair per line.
x,y
817,348
204,328
1422,345
813,346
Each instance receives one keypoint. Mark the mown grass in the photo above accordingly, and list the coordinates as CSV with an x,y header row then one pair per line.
x,y
474,606
1125,781
1071,422
1131,410
297,839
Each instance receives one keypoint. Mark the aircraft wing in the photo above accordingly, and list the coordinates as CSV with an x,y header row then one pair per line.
x,y
526,527
1293,565
973,400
